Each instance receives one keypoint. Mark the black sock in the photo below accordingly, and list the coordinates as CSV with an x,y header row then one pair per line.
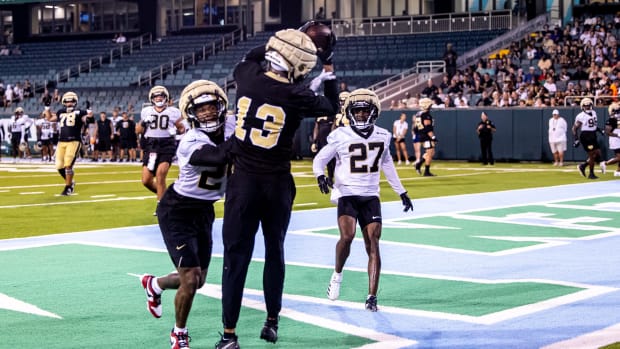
x,y
62,173
427,168
228,336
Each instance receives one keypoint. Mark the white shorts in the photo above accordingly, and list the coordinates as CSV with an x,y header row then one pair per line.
x,y
558,146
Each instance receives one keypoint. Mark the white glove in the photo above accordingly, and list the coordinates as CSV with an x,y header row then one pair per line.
x,y
324,76
149,118
172,131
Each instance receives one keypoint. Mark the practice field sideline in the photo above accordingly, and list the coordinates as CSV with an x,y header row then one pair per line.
x,y
513,269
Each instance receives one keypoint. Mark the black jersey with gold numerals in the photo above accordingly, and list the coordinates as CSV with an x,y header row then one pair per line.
x,y
70,124
269,111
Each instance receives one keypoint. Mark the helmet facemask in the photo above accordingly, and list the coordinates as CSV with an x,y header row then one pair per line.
x,y
362,114
206,112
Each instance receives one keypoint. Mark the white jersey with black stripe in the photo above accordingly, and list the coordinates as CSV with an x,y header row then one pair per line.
x,y
201,182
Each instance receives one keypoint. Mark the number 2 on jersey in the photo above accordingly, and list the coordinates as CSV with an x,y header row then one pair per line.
x,y
360,153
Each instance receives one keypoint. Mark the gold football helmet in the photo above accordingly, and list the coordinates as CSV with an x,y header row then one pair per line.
x,y
294,51
198,94
19,110
362,108
157,91
586,105
614,109
69,97
425,104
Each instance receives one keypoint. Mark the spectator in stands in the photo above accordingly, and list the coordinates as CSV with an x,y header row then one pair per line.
x,y
46,99
4,51
484,100
18,93
56,96
431,90
343,87
16,51
580,74
449,57
28,91
103,134
119,38
320,15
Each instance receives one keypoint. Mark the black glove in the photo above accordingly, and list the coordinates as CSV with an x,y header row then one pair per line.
x,y
324,184
576,143
406,202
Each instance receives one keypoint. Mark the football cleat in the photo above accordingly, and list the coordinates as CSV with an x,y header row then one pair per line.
x,y
582,169
333,290
371,303
270,331
179,340
153,300
603,167
67,191
418,167
228,343
592,176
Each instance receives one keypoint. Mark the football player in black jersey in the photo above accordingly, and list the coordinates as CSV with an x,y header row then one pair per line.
x,y
271,103
70,124
426,133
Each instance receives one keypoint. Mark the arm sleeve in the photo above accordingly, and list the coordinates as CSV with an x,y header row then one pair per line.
x,y
209,155
387,165
322,158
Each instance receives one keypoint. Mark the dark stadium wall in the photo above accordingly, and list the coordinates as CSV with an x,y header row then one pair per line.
x,y
521,134
21,23
290,14
148,17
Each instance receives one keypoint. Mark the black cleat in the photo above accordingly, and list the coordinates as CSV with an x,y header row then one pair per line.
x,y
371,303
418,167
582,169
231,342
592,176
270,331
428,174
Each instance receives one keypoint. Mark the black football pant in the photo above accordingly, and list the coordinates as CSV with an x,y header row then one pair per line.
x,y
252,199
487,151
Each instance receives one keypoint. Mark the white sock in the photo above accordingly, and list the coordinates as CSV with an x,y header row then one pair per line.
x,y
179,330
337,276
155,286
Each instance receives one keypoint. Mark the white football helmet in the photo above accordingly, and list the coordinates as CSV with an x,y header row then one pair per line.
x,y
362,108
23,146
425,104
19,110
586,105
294,51
69,97
157,91
198,94
614,110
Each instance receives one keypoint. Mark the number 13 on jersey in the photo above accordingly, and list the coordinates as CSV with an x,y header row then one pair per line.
x,y
273,121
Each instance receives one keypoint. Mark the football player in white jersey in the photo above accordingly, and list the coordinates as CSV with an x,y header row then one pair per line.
x,y
45,132
586,124
612,130
361,151
19,140
160,123
186,212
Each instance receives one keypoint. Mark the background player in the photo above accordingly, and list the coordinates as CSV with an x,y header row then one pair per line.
x,y
160,123
70,122
362,151
185,212
584,132
612,130
426,135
